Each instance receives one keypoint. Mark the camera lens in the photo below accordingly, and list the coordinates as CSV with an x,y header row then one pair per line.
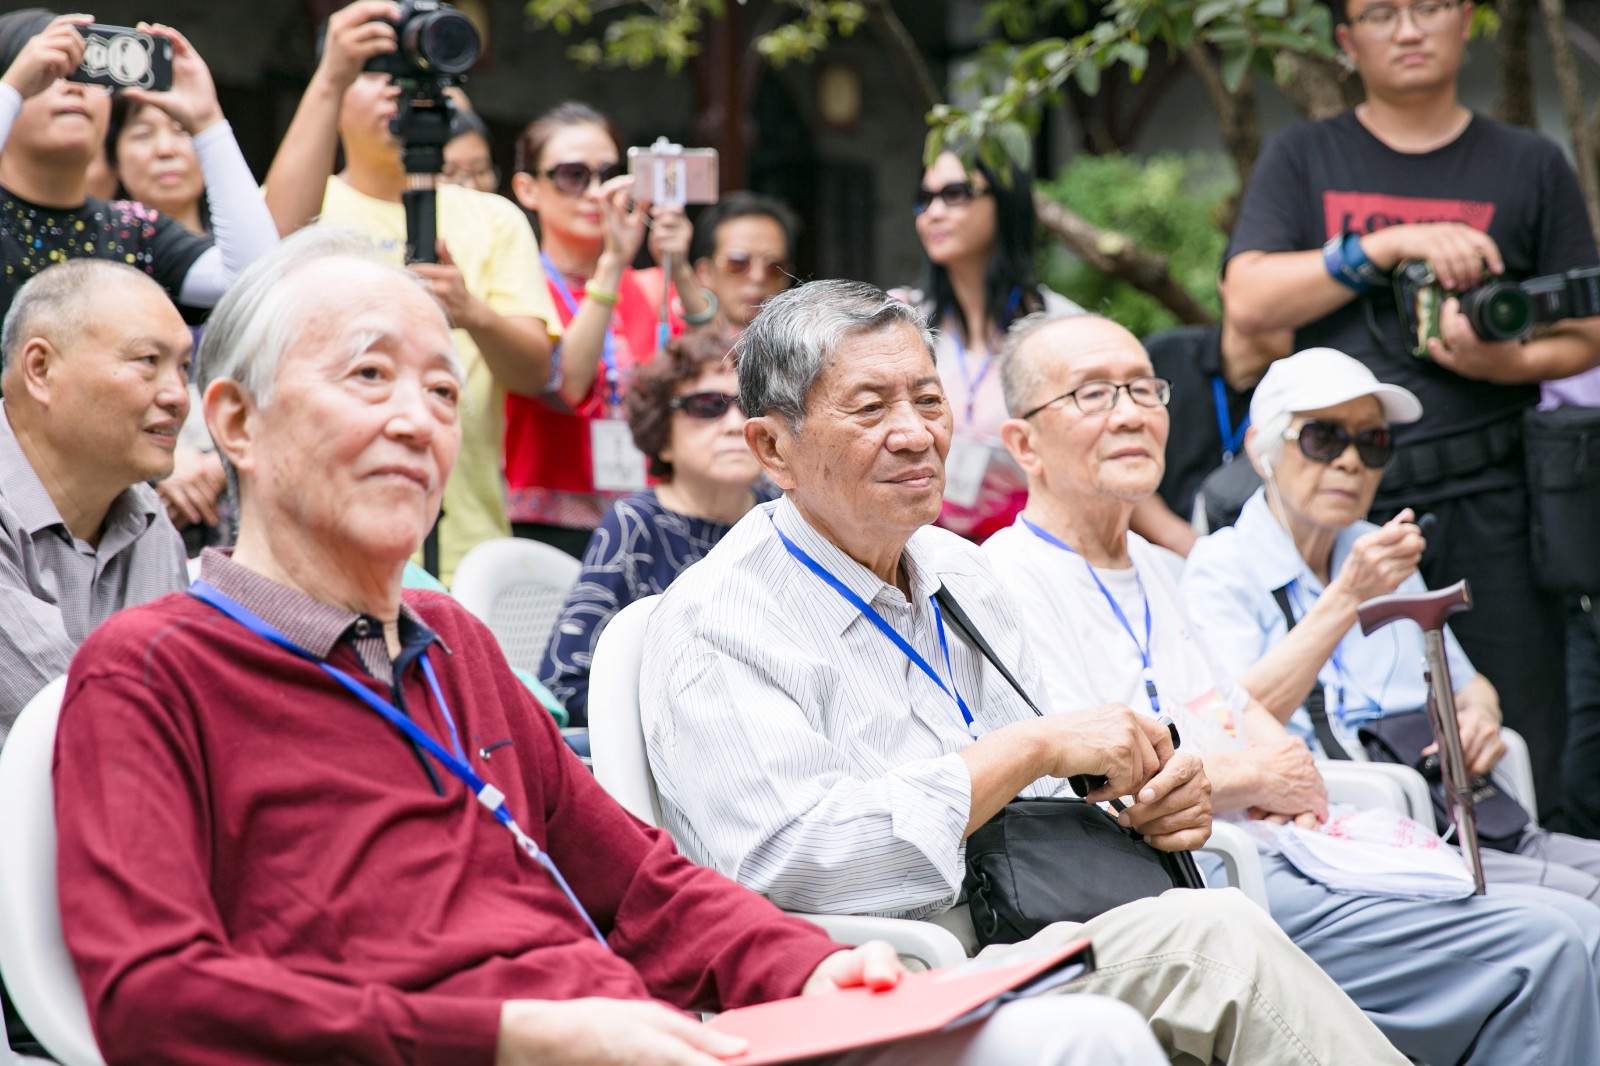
x,y
1498,311
442,41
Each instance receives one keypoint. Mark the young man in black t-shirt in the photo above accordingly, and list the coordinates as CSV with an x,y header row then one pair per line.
x,y
1332,208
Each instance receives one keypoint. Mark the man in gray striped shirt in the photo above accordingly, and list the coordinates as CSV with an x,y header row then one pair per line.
x,y
95,380
803,750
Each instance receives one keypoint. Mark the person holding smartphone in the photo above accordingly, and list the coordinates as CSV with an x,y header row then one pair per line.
x,y
51,131
569,453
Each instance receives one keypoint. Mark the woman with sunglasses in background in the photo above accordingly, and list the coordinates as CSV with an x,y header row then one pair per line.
x,y
977,233
569,454
1302,549
684,414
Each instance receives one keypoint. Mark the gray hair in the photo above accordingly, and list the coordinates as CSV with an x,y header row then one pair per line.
x,y
1270,443
1021,379
265,313
60,301
783,352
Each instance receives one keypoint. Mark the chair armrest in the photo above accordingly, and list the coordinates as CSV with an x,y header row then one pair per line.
x,y
1515,773
929,944
1375,784
1240,860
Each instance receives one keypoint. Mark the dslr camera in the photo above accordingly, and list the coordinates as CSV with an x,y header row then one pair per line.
x,y
435,42
1499,310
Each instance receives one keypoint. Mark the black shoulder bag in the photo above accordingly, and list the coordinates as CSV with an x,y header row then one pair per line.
x,y
1041,861
1400,738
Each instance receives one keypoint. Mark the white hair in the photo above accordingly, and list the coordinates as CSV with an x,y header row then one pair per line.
x,y
267,311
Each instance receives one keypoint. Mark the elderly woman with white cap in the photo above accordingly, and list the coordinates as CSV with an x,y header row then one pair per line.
x,y
1302,550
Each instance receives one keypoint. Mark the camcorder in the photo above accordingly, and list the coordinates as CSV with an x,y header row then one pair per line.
x,y
434,42
1499,310
667,173
124,58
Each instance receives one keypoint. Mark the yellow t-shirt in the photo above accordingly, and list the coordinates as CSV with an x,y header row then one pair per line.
x,y
492,243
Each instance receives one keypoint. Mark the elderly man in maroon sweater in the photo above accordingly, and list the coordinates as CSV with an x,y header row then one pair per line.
x,y
265,854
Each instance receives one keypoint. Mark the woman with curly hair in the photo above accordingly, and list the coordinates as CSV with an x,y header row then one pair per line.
x,y
685,416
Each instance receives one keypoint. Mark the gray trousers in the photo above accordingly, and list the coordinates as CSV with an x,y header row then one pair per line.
x,y
1555,860
1500,980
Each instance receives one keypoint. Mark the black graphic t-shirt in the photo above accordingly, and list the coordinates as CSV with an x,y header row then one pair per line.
x,y
1318,179
34,237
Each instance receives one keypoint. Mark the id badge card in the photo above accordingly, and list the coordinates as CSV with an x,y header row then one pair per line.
x,y
618,465
964,470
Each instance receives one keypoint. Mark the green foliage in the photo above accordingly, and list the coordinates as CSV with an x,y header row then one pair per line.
x,y
1015,80
1167,203
647,31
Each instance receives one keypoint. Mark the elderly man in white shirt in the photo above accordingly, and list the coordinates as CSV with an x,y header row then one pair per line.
x,y
1478,980
818,733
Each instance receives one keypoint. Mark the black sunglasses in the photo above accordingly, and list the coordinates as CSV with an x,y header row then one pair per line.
x,y
1323,442
574,178
704,405
956,194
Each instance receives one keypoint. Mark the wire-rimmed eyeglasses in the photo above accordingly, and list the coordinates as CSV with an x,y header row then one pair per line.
x,y
1097,397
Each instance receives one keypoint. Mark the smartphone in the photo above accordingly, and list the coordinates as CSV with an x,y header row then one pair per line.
x,y
667,173
124,58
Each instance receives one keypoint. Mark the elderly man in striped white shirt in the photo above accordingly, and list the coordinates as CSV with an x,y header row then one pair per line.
x,y
803,751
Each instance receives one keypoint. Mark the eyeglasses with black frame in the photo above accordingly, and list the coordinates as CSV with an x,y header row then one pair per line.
x,y
574,178
1098,397
1383,20
706,406
955,194
1323,442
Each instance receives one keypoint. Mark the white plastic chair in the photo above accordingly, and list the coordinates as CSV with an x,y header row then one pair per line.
x,y
1515,773
623,769
33,955
516,587
1380,784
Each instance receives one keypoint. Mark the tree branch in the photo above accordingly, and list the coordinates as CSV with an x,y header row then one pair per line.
x,y
1237,116
904,54
1515,103
1117,256
1316,87
1566,70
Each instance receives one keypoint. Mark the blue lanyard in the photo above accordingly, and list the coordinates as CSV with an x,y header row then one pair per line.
x,y
1231,438
1336,660
973,383
608,348
492,798
886,629
1116,609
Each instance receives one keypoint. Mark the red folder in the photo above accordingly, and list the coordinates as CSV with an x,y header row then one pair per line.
x,y
800,1028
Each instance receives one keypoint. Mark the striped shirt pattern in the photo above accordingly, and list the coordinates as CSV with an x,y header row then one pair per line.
x,y
800,752
54,588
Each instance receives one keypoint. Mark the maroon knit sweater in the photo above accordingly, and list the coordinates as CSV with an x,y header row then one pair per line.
x,y
254,866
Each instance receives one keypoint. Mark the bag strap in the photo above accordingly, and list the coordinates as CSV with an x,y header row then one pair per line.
x,y
962,622
1317,699
1181,864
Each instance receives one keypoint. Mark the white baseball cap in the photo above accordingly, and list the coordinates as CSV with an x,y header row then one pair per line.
x,y
1324,377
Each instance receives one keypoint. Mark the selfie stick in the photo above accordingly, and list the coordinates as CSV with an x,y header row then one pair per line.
x,y
1429,610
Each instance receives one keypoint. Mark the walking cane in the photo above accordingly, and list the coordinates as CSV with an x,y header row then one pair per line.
x,y
1429,610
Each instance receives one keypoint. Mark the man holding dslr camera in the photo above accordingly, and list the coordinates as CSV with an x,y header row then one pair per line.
x,y
487,276
1332,209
